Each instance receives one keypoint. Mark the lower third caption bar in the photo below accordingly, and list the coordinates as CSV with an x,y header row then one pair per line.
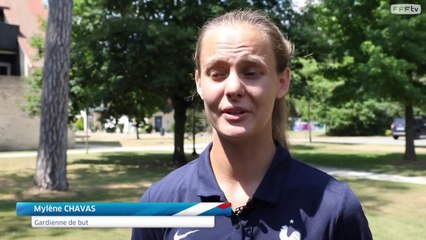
x,y
122,221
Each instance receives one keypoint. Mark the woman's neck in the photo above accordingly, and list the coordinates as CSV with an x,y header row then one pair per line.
x,y
239,166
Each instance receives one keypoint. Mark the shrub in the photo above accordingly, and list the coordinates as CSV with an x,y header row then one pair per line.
x,y
79,124
120,127
110,129
148,128
358,119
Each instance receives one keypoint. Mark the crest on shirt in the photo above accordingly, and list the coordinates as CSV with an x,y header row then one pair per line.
x,y
284,234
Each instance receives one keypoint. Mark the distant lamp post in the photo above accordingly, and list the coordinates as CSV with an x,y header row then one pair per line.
x,y
86,129
194,152
309,120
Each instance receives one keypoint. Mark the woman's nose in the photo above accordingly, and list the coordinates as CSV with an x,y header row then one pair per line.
x,y
234,87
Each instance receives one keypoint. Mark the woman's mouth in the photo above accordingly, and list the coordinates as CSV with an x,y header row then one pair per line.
x,y
234,113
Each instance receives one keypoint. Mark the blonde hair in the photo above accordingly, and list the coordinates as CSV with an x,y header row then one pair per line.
x,y
282,48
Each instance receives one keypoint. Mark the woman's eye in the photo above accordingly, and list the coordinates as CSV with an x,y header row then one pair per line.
x,y
252,74
217,75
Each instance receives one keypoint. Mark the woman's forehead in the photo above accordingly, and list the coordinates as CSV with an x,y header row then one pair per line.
x,y
235,40
235,29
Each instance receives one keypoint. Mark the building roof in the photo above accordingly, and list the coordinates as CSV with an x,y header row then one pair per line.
x,y
28,15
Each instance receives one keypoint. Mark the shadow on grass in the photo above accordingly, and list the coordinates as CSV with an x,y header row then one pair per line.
x,y
130,159
375,195
102,177
336,143
100,143
301,147
351,143
390,163
119,177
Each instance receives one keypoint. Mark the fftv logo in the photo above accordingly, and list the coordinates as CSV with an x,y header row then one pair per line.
x,y
406,9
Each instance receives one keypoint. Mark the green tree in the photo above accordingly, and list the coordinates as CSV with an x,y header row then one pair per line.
x,y
387,53
35,79
52,157
356,117
396,56
108,69
133,54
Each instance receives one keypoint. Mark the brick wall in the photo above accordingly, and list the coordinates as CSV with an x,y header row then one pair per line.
x,y
17,130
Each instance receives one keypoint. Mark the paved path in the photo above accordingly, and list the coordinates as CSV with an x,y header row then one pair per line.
x,y
373,176
199,148
362,140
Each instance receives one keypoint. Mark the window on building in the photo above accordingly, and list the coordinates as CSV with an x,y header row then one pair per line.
x,y
2,17
5,69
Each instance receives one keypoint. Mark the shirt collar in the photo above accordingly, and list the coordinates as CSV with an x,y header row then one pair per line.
x,y
269,189
273,182
207,184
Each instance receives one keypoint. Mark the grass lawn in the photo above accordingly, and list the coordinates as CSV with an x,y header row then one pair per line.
x,y
94,177
395,211
374,158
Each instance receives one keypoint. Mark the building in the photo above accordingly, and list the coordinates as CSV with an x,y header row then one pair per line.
x,y
20,21
162,120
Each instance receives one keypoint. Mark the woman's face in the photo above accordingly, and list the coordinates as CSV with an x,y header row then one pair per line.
x,y
238,81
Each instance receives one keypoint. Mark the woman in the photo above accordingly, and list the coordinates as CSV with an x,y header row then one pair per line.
x,y
242,76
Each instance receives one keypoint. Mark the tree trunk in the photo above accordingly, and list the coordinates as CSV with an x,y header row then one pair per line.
x,y
51,168
179,106
137,129
194,152
410,152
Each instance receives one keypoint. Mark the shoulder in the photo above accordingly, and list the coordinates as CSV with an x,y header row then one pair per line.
x,y
334,199
316,186
351,222
304,175
174,186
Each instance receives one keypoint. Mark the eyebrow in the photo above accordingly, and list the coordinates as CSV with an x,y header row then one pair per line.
x,y
246,58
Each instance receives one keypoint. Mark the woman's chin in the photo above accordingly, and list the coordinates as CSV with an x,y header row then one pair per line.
x,y
233,132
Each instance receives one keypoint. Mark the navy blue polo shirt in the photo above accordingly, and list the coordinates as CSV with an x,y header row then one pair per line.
x,y
293,201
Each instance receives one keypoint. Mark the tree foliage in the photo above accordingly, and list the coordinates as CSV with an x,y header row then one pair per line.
x,y
134,56
377,56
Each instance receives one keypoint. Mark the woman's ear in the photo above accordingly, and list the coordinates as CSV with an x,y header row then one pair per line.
x,y
198,84
284,83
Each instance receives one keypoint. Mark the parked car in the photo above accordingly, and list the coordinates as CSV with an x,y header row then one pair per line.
x,y
398,127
